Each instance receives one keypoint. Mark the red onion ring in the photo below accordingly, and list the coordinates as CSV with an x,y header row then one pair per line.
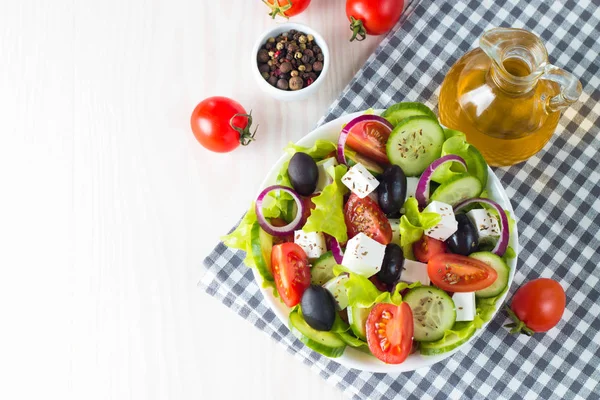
x,y
266,225
502,243
341,157
336,250
422,191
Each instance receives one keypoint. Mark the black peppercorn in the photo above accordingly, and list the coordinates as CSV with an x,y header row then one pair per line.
x,y
320,57
305,59
285,67
308,52
308,67
263,68
262,56
273,80
318,66
317,49
282,84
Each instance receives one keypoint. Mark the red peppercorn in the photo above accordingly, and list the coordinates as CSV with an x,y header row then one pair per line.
x,y
277,53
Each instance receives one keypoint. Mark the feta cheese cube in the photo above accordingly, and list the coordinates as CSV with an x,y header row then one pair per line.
x,y
413,271
363,255
337,288
360,181
395,224
324,178
313,243
464,303
486,224
447,225
411,189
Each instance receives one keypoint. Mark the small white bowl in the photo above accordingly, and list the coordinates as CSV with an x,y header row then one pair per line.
x,y
289,95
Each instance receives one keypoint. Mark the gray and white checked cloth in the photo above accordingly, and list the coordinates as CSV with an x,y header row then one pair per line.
x,y
555,194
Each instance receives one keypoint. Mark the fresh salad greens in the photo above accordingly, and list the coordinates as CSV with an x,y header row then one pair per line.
x,y
356,276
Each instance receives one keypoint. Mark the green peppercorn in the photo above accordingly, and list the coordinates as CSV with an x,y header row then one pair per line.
x,y
301,68
310,37
270,63
302,39
303,46
271,54
280,46
294,73
271,40
265,75
298,55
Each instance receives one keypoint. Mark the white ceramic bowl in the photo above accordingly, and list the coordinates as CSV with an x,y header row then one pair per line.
x,y
353,358
289,95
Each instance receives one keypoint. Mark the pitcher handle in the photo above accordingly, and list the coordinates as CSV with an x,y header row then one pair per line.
x,y
570,87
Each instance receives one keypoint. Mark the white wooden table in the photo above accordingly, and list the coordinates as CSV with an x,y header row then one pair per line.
x,y
109,204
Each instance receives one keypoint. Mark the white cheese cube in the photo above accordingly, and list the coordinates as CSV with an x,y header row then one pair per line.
x,y
363,255
395,224
324,178
313,243
413,271
447,225
486,224
411,189
360,181
337,288
464,303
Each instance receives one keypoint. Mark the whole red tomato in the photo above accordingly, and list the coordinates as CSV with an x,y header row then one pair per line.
x,y
373,17
537,306
221,124
286,8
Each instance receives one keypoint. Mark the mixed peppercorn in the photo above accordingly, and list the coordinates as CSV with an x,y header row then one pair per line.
x,y
290,61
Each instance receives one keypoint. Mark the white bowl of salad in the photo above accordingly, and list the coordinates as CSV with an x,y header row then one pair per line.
x,y
382,240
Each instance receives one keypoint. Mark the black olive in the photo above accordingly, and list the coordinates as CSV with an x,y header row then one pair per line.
x,y
464,240
318,308
392,189
303,173
391,268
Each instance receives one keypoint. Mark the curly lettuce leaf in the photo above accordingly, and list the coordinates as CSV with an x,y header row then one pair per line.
x,y
320,150
328,214
413,224
458,145
363,293
353,341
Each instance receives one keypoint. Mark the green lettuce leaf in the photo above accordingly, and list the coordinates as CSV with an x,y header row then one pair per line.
x,y
328,214
413,224
458,145
320,150
364,294
353,341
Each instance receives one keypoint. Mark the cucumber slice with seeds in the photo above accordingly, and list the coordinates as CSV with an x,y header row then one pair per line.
x,y
502,270
322,269
327,343
357,318
433,312
400,111
415,143
460,188
461,332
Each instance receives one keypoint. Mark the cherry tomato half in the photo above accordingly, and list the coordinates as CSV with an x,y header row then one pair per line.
x,y
390,331
290,271
428,247
456,273
364,215
369,138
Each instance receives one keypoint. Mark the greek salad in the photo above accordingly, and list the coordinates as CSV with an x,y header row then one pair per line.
x,y
385,241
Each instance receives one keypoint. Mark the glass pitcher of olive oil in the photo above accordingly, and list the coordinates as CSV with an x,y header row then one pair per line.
x,y
505,96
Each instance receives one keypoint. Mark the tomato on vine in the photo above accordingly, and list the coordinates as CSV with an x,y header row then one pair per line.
x,y
221,124
286,8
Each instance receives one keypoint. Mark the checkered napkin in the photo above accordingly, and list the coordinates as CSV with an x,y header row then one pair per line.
x,y
555,194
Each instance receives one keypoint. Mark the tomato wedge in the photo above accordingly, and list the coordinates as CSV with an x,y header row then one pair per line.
x,y
456,273
390,331
428,247
290,271
369,138
364,215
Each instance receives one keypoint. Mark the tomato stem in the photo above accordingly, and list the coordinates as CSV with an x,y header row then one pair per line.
x,y
358,30
277,9
517,326
245,136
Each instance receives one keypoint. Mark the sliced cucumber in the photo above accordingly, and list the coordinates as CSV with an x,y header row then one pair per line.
x,y
354,158
327,343
400,111
322,269
415,143
461,332
357,317
460,188
502,270
433,312
262,244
